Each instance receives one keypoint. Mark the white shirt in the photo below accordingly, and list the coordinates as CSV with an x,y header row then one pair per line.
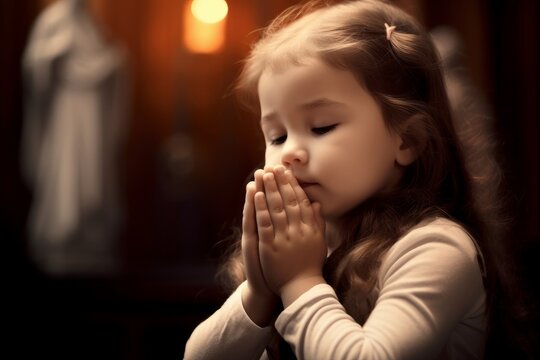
x,y
429,304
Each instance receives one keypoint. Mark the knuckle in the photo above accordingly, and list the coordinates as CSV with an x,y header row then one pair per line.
x,y
277,209
292,202
266,224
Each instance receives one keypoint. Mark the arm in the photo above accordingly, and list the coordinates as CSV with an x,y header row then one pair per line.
x,y
429,282
228,330
243,320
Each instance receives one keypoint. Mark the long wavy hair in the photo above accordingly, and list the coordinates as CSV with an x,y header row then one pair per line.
x,y
403,73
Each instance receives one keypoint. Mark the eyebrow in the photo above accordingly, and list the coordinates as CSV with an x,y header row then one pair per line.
x,y
309,106
321,103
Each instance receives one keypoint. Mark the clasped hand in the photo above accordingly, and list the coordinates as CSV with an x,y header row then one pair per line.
x,y
283,241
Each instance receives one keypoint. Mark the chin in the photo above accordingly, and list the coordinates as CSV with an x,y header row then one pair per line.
x,y
329,214
335,214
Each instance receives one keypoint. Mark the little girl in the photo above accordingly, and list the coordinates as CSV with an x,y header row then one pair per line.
x,y
361,237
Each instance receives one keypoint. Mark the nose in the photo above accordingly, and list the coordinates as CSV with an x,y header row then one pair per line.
x,y
293,153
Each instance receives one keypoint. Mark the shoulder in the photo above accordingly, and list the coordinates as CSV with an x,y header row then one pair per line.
x,y
437,234
430,281
436,249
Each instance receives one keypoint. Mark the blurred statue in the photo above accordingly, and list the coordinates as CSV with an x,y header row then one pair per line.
x,y
75,94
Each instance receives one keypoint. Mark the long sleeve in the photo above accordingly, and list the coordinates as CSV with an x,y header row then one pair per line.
x,y
228,334
430,305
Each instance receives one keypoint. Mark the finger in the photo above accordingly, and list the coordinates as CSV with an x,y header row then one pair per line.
x,y
290,202
275,204
250,244
259,186
248,218
264,222
306,210
268,168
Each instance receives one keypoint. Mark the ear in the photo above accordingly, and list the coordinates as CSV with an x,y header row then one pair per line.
x,y
412,137
405,154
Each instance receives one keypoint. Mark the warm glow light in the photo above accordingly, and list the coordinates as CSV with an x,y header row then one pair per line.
x,y
209,11
204,37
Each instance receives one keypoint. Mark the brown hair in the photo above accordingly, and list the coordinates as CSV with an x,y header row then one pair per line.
x,y
403,73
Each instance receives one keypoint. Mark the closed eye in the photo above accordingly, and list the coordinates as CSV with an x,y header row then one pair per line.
x,y
323,129
279,140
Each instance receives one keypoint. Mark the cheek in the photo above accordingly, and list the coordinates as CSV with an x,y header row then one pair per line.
x,y
271,157
366,163
375,165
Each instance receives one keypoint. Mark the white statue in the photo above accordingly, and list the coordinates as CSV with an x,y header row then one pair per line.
x,y
74,121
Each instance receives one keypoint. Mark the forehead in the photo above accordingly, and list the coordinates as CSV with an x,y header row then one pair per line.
x,y
300,83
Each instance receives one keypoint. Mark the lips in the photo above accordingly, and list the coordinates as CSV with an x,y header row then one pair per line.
x,y
306,184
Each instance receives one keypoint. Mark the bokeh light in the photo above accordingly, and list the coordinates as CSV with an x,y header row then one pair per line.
x,y
209,11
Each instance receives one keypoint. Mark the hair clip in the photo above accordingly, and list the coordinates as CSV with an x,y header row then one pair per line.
x,y
389,30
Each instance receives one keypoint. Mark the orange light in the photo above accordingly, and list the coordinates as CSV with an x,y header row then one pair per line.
x,y
204,26
209,11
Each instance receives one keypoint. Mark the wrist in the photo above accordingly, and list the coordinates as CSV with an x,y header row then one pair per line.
x,y
293,289
260,308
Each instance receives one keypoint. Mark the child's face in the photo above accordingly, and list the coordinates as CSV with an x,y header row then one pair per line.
x,y
322,124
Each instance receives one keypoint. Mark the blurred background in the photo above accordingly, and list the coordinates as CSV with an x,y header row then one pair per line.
x,y
133,273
